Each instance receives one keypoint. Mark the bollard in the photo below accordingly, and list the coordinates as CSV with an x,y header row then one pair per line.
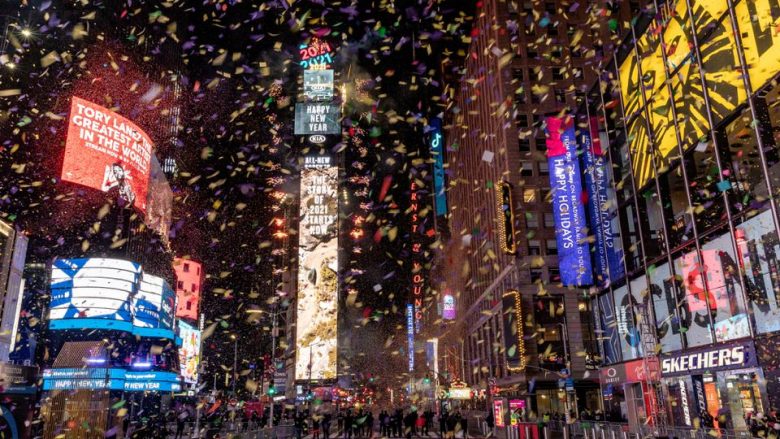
x,y
566,431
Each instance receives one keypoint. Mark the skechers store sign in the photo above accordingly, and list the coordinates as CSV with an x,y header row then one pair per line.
x,y
709,360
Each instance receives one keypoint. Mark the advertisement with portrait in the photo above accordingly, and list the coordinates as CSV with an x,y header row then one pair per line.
x,y
107,152
568,209
317,303
189,352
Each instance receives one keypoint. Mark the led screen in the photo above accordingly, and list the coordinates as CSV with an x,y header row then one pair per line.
x,y
318,85
154,303
189,352
317,304
114,294
317,118
107,152
113,378
94,288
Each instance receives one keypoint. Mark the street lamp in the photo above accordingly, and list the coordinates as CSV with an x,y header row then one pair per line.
x,y
235,361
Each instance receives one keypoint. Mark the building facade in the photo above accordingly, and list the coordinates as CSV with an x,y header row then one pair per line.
x,y
687,106
527,61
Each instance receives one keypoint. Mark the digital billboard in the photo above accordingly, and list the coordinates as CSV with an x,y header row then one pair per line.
x,y
448,307
112,294
568,209
112,378
436,141
316,118
317,55
317,304
107,152
93,288
758,23
154,303
189,352
410,335
189,282
318,85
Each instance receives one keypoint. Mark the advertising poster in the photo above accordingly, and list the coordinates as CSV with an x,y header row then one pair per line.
x,y
498,413
318,85
436,140
609,258
317,118
189,352
568,209
317,304
609,336
107,152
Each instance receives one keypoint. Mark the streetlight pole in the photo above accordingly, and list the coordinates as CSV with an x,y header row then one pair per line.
x,y
235,362
273,361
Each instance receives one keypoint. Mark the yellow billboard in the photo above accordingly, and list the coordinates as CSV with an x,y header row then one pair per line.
x,y
758,24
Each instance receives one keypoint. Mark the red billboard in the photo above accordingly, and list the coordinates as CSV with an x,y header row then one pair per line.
x,y
189,281
107,152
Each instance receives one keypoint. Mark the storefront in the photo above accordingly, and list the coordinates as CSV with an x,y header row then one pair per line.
x,y
722,380
623,390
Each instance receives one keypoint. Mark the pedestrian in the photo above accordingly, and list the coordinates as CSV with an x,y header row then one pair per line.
x,y
443,423
382,423
181,421
298,425
409,420
489,422
326,426
370,423
464,425
348,421
315,427
398,423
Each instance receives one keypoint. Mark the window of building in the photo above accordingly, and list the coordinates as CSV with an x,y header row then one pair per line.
x,y
180,285
549,220
557,74
534,247
186,267
528,7
520,97
546,195
555,274
519,75
560,96
552,247
652,218
678,213
527,169
541,143
549,7
531,220
552,30
530,196
522,120
549,317
523,145
535,98
536,275
556,52
543,168
189,305
570,30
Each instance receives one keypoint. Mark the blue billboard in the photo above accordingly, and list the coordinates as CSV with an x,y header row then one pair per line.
x,y
410,334
609,258
568,209
436,141
110,378
110,294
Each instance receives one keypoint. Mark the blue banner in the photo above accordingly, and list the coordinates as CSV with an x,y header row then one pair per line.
x,y
609,265
568,209
111,378
436,141
610,339
410,334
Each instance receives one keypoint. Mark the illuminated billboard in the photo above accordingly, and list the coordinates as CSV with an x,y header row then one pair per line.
x,y
316,118
107,152
112,378
318,85
189,352
317,304
720,62
317,55
436,142
154,303
111,294
448,307
189,280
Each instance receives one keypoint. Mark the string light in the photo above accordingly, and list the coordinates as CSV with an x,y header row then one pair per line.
x,y
505,235
518,323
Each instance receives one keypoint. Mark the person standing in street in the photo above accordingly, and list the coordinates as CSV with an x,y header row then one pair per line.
x,y
443,424
326,426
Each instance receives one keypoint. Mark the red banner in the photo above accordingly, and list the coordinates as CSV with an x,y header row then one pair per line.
x,y
107,152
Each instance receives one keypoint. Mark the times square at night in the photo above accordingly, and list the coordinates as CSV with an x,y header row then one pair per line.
x,y
389,218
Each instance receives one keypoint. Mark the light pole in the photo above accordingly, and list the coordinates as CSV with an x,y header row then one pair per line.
x,y
235,361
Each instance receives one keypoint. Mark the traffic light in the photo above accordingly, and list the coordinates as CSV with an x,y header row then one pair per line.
x,y
271,390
